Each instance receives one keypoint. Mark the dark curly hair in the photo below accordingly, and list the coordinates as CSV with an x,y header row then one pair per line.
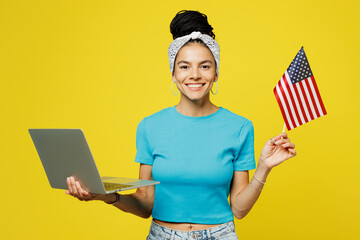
x,y
187,21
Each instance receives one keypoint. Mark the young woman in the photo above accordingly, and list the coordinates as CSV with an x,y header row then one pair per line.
x,y
198,151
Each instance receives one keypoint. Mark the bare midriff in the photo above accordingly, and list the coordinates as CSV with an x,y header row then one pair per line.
x,y
184,226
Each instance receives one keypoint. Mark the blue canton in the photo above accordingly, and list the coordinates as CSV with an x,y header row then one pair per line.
x,y
299,69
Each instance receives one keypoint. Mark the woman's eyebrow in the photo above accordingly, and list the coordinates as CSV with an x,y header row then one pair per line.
x,y
183,61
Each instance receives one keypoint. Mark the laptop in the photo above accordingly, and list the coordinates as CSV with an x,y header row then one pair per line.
x,y
65,153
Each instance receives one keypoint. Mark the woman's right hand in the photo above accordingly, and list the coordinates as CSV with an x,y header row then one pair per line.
x,y
76,190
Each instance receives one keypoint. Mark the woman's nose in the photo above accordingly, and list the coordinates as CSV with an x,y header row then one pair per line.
x,y
195,73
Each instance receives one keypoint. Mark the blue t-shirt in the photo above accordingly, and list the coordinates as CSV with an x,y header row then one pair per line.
x,y
194,159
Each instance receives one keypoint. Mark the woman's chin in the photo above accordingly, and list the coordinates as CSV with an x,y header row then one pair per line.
x,y
195,96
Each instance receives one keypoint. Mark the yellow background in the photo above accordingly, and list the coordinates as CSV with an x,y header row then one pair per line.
x,y
102,66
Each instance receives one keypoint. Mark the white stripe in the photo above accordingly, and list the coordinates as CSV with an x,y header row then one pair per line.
x,y
284,106
309,99
289,101
303,101
315,97
295,97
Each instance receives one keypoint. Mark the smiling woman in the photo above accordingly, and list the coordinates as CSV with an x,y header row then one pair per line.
x,y
194,72
200,153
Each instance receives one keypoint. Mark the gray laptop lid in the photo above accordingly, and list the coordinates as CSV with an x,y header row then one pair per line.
x,y
64,153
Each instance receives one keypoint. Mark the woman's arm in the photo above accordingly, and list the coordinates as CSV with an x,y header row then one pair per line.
x,y
139,203
243,194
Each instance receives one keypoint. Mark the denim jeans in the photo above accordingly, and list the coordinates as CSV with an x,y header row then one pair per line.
x,y
225,231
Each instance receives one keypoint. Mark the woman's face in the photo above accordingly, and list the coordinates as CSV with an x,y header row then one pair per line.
x,y
194,71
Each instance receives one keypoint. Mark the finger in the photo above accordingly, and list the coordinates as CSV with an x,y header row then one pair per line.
x,y
280,136
84,194
288,145
78,189
282,141
68,181
283,135
292,152
82,190
73,186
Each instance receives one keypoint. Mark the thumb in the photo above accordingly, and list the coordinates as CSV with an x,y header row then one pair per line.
x,y
277,137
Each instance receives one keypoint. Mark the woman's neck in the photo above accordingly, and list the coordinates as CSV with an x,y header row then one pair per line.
x,y
196,108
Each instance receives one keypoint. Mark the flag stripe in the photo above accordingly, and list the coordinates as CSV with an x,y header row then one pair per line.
x,y
306,100
293,99
285,115
318,107
318,95
303,103
287,107
309,99
312,98
288,98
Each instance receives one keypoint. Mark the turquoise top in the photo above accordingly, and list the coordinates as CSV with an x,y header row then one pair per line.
x,y
194,158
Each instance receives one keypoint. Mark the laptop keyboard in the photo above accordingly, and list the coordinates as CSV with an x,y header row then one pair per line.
x,y
113,186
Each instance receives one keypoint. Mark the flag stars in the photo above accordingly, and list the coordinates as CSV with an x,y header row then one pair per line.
x,y
299,68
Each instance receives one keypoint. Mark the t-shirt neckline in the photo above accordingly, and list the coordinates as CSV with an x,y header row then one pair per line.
x,y
180,116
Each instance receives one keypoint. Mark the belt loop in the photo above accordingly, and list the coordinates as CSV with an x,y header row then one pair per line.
x,y
172,237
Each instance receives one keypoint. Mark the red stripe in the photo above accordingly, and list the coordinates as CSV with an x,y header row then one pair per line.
x,y
281,109
300,103
312,97
306,101
292,99
287,105
318,95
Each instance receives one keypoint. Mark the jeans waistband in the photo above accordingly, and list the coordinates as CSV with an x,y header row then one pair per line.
x,y
211,230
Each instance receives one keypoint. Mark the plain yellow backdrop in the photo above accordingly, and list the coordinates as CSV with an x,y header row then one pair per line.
x,y
102,66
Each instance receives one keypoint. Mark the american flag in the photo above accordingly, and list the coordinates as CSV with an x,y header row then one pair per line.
x,y
297,93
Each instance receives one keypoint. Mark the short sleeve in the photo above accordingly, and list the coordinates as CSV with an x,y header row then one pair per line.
x,y
143,151
245,159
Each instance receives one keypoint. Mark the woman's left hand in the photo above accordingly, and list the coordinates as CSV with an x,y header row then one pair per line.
x,y
277,150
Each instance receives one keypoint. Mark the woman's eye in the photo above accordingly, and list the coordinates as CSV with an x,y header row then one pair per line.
x,y
206,66
183,67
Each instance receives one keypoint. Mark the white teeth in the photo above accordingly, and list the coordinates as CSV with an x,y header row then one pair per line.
x,y
195,85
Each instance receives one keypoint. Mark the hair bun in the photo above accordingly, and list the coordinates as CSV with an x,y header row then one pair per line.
x,y
187,21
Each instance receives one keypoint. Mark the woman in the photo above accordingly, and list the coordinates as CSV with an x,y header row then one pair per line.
x,y
199,152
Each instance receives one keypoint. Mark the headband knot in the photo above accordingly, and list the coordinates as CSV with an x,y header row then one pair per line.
x,y
195,35
177,44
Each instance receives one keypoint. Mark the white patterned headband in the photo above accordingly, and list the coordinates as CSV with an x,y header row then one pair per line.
x,y
180,41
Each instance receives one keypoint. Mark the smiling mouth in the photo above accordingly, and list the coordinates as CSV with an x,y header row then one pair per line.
x,y
195,87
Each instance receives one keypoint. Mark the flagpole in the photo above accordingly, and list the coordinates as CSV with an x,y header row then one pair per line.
x,y
284,128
